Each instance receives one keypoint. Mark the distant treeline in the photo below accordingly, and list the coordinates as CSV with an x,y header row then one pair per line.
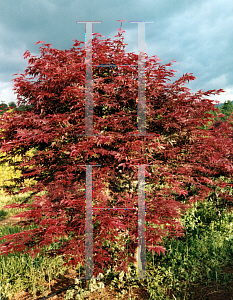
x,y
12,105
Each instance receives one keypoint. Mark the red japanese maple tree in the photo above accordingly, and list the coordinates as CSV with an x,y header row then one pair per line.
x,y
188,160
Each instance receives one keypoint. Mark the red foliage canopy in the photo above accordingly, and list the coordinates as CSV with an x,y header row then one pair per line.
x,y
188,160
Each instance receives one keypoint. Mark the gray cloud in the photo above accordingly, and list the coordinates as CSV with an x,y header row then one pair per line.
x,y
197,34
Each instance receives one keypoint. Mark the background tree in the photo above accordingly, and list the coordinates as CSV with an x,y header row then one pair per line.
x,y
227,109
12,104
189,161
3,107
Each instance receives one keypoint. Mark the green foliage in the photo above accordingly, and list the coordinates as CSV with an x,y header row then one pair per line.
x,y
3,214
3,108
19,272
8,172
227,110
12,104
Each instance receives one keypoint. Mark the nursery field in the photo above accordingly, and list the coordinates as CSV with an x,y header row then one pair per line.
x,y
196,266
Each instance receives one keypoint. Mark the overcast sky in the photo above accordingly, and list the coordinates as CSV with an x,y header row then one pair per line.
x,y
197,34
